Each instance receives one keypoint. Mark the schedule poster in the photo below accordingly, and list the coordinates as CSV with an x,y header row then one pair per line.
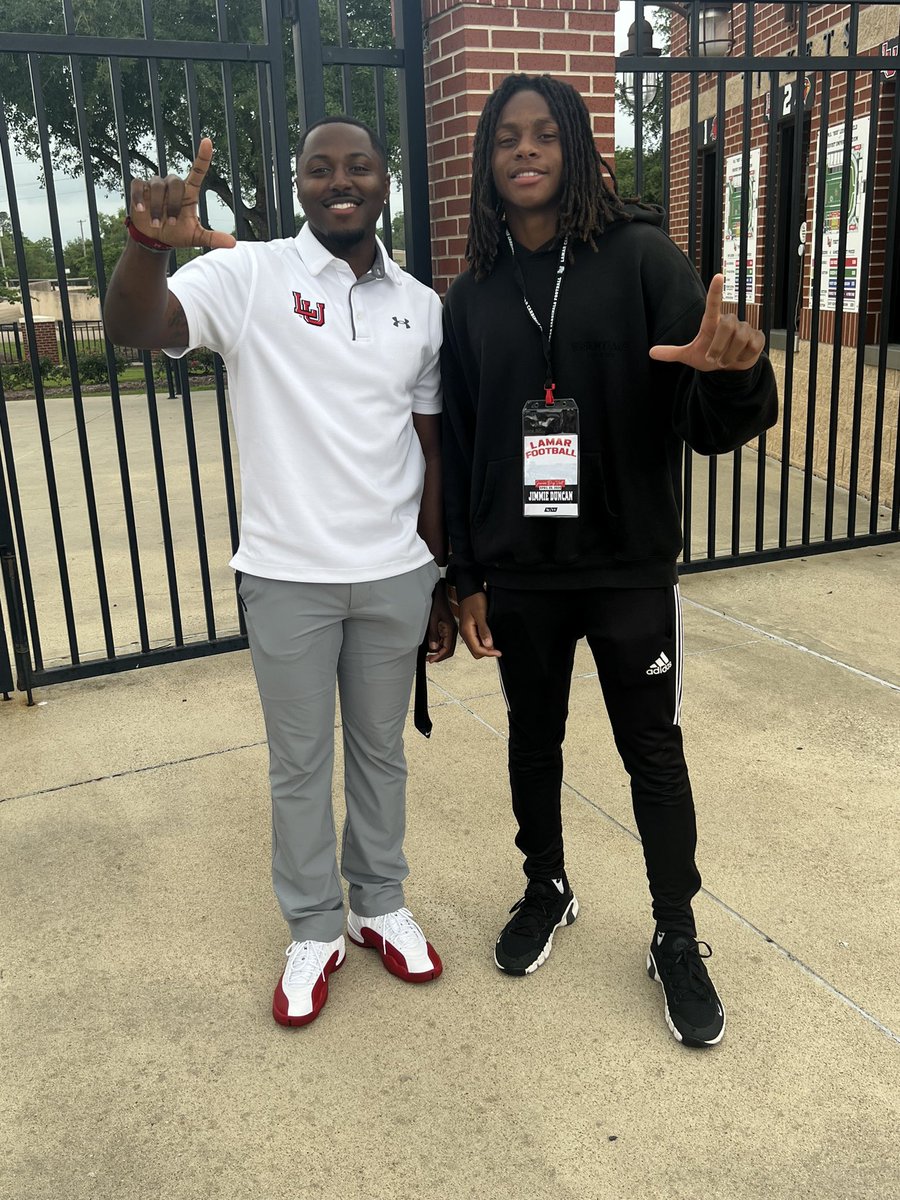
x,y
731,239
847,215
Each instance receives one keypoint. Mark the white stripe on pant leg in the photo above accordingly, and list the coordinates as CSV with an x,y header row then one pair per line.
x,y
502,688
679,655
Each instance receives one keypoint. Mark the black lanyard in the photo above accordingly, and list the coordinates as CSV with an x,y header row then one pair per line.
x,y
546,338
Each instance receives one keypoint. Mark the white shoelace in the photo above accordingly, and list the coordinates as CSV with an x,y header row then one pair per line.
x,y
399,929
305,963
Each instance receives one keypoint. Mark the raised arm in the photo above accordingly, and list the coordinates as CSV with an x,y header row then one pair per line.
x,y
139,308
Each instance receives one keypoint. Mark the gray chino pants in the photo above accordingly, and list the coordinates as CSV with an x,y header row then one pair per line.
x,y
304,637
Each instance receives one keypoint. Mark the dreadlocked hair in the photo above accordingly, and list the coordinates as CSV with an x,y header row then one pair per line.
x,y
587,203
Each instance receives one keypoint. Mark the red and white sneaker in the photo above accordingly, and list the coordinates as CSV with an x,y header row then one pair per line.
x,y
303,988
402,945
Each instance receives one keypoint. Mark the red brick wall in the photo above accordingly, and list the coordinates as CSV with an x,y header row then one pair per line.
x,y
773,36
470,47
45,336
833,426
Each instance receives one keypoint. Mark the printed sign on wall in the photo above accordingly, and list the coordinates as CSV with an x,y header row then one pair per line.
x,y
731,234
843,213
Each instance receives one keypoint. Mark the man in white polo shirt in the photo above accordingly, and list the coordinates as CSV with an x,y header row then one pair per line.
x,y
332,357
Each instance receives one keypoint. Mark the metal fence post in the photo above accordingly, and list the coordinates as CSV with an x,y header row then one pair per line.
x,y
307,31
6,679
13,591
413,138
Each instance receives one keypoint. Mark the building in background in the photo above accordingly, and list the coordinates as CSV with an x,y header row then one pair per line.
x,y
469,48
820,181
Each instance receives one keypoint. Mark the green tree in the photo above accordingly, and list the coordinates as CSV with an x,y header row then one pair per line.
x,y
79,252
6,248
398,231
39,260
651,186
370,24
79,256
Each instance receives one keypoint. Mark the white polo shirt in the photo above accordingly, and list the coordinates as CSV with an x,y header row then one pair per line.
x,y
324,374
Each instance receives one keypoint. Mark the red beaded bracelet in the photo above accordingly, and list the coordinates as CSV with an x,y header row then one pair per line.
x,y
151,243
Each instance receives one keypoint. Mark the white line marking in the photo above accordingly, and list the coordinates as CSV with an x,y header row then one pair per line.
x,y
754,929
774,637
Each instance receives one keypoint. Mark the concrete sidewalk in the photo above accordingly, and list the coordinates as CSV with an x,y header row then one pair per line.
x,y
142,942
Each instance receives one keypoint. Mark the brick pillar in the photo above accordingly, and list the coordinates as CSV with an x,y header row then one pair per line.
x,y
470,47
44,335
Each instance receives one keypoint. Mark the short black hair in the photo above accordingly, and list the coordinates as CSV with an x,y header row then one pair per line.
x,y
377,144
587,204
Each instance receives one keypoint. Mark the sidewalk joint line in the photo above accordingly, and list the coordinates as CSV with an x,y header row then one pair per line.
x,y
175,762
774,637
722,904
463,704
804,967
733,912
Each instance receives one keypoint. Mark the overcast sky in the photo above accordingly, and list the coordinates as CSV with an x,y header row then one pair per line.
x,y
70,193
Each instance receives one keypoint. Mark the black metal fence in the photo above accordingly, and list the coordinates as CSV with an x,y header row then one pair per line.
x,y
782,168
118,513
87,337
11,347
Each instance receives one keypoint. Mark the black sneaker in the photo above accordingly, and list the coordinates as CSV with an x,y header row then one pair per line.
x,y
694,1011
527,940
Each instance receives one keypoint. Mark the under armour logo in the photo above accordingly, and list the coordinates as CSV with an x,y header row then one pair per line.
x,y
398,321
302,309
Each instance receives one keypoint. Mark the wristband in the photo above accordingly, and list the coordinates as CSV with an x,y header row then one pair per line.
x,y
142,239
443,572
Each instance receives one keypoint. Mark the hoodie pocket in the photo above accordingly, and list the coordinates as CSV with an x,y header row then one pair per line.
x,y
502,536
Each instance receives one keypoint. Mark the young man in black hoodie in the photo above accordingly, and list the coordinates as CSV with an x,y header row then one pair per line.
x,y
580,353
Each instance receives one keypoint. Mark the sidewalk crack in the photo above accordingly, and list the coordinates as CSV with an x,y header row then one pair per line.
x,y
174,762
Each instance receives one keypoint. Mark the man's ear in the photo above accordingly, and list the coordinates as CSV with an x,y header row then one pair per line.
x,y
387,187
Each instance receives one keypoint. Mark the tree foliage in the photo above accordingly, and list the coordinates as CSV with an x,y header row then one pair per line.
x,y
39,260
169,145
651,185
79,261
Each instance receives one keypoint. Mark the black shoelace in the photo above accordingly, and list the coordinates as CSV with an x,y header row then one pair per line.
x,y
533,911
687,973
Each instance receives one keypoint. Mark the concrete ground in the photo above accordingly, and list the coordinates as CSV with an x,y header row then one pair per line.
x,y
141,941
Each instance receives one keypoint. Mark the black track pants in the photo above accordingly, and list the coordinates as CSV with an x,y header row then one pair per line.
x,y
635,636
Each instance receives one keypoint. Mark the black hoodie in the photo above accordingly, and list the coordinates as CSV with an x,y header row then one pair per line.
x,y
635,291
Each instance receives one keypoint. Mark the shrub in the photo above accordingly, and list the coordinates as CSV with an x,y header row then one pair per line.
x,y
201,362
92,367
16,376
54,373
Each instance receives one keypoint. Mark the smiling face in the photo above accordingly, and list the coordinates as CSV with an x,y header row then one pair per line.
x,y
526,158
342,184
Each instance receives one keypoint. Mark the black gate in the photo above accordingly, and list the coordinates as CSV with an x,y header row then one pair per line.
x,y
118,511
768,172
